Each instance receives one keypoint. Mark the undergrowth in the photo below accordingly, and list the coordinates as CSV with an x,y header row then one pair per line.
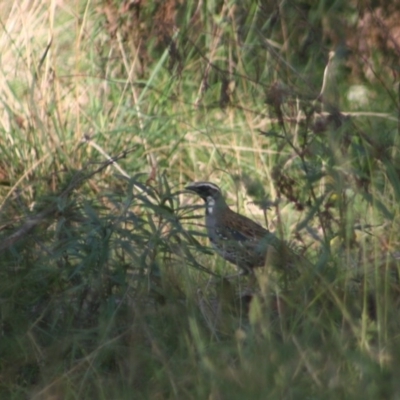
x,y
108,286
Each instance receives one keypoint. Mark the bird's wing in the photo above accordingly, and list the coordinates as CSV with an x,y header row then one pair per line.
x,y
240,228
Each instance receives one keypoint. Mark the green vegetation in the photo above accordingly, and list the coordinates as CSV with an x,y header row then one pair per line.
x,y
108,286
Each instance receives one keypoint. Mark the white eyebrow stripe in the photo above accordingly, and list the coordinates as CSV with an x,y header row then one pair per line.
x,y
205,185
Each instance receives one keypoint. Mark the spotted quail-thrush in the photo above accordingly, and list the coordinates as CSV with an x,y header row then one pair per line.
x,y
237,238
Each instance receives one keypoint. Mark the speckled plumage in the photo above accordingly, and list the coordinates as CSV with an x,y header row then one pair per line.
x,y
237,238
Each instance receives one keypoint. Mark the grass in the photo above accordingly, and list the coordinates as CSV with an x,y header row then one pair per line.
x,y
108,287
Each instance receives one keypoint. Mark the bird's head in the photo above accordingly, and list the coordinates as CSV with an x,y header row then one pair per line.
x,y
209,192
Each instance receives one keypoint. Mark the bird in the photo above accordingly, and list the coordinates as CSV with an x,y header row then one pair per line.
x,y
238,239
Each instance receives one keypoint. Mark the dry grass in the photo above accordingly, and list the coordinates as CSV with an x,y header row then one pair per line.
x,y
108,288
